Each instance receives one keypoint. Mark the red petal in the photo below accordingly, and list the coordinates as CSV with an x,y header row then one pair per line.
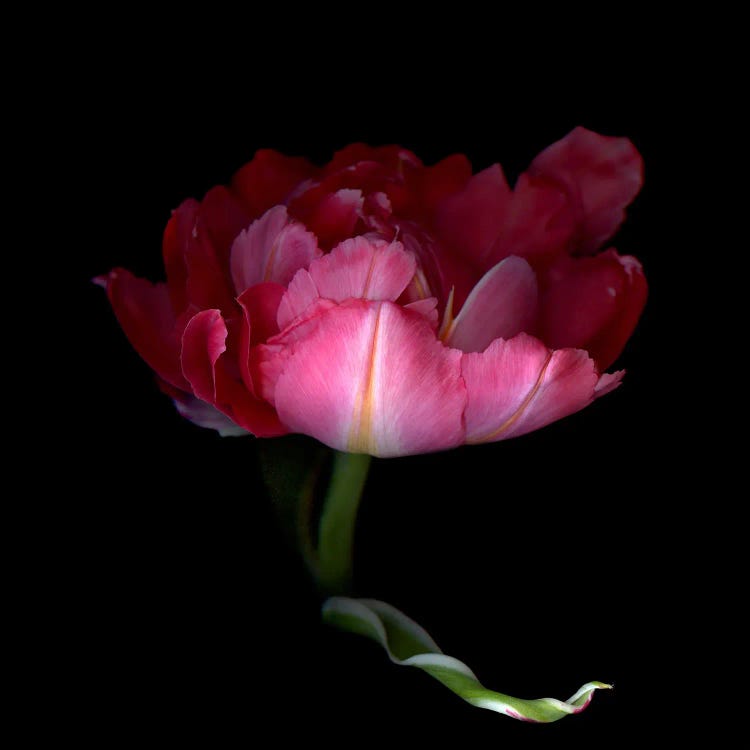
x,y
260,305
210,374
195,273
145,313
592,303
436,183
471,220
175,239
601,176
333,219
224,218
391,157
203,342
538,223
269,179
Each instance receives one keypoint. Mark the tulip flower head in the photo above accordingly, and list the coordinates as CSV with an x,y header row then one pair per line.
x,y
389,308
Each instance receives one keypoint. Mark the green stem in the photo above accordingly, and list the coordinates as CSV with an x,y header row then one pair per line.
x,y
336,529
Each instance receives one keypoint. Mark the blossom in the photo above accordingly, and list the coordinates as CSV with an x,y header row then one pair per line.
x,y
391,308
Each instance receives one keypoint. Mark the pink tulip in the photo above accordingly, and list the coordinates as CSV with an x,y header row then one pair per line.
x,y
389,308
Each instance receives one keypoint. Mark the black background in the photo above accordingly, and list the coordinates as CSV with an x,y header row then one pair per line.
x,y
542,562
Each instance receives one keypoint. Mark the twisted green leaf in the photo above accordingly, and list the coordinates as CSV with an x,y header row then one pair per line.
x,y
408,644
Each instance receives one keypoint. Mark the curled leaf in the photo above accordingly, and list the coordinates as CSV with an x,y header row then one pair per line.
x,y
408,644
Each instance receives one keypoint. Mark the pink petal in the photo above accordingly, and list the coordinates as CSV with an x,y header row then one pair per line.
x,y
300,294
501,305
608,382
363,269
370,377
357,268
601,175
592,303
145,313
272,249
266,361
471,220
203,342
519,385
269,179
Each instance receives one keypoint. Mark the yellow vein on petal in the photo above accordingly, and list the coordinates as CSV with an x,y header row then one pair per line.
x,y
519,411
360,435
366,289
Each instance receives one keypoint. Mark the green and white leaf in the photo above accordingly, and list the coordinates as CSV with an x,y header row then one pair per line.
x,y
408,644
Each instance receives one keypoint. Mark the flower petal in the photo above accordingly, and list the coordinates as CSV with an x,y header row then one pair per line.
x,y
203,342
601,175
501,305
260,304
245,409
538,223
471,220
224,218
369,377
363,269
357,268
273,248
204,415
195,274
592,303
145,313
333,219
519,385
268,180
434,184
392,157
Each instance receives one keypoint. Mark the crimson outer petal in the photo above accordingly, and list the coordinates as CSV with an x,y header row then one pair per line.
x,y
600,174
592,303
197,274
269,179
145,314
203,344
